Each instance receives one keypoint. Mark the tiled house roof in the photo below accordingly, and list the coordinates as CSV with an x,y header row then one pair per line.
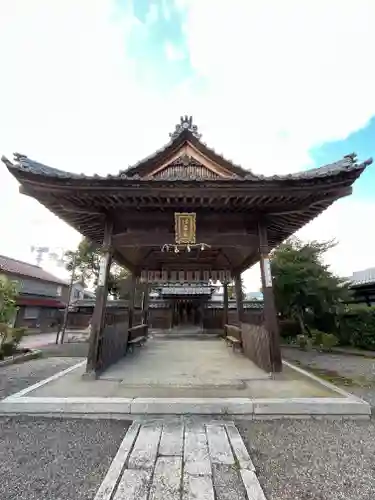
x,y
18,267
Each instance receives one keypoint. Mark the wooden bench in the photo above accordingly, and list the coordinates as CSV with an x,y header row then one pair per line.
x,y
234,343
136,342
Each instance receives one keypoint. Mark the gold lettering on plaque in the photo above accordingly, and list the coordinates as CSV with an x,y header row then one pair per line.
x,y
185,228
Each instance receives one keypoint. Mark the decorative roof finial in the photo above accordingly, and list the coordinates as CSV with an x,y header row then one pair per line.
x,y
186,123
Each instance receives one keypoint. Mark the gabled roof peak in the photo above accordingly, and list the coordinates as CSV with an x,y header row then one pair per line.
x,y
186,123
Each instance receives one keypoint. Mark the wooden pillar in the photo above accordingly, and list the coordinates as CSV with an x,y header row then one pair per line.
x,y
131,301
145,302
98,317
270,313
239,297
225,310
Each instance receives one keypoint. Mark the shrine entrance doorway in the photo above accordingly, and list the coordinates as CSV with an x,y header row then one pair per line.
x,y
186,312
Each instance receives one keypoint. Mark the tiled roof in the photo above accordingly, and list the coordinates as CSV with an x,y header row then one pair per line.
x,y
364,277
347,164
18,267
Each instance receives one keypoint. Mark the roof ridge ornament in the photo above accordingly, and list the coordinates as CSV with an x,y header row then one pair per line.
x,y
186,123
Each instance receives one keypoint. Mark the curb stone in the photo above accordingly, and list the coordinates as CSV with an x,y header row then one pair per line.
x,y
20,358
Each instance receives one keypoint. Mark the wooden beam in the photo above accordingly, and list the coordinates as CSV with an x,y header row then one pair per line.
x,y
250,260
130,219
159,238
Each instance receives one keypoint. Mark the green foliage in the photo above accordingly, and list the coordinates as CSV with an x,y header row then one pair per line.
x,y
8,295
86,261
317,337
8,310
357,324
232,289
329,340
304,342
305,289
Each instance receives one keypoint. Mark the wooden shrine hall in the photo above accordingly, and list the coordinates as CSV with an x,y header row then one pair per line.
x,y
185,214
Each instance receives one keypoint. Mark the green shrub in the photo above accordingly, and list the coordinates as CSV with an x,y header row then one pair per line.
x,y
357,325
10,339
304,342
329,341
317,337
17,335
8,348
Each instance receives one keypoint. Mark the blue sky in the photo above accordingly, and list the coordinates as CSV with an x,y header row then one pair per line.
x,y
95,85
361,142
153,63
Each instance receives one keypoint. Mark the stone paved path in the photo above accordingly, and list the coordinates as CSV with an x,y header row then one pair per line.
x,y
181,461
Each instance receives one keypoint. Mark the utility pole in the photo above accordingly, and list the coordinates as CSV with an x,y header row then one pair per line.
x,y
66,312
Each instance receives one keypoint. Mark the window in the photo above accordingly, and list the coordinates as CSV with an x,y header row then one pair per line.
x,y
50,313
59,291
31,313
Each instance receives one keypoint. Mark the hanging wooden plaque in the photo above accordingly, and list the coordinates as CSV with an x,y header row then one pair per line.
x,y
185,228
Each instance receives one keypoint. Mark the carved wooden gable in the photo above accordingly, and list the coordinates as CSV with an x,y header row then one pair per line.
x,y
185,168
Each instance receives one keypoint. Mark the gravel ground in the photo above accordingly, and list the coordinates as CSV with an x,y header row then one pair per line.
x,y
14,378
56,459
313,459
358,372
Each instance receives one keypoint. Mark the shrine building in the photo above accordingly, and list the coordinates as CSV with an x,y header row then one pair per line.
x,y
185,216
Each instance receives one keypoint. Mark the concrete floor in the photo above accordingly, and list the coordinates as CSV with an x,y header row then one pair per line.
x,y
180,368
184,363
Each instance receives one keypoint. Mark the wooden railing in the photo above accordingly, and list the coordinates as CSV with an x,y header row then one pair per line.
x,y
112,345
254,341
256,345
138,331
233,331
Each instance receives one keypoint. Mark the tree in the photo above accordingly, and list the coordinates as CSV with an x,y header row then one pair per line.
x,y
87,267
8,295
232,289
304,287
9,336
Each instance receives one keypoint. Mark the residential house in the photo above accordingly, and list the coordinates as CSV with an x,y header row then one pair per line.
x,y
42,296
362,284
79,292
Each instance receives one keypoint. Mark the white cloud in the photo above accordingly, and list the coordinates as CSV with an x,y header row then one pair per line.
x,y
69,97
173,52
288,75
273,79
281,78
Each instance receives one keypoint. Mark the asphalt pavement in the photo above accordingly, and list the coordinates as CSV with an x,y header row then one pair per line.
x,y
14,378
